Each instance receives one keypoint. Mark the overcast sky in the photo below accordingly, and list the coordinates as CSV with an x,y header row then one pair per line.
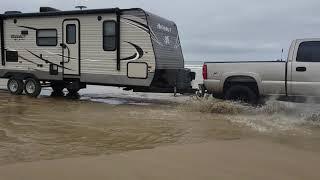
x,y
217,29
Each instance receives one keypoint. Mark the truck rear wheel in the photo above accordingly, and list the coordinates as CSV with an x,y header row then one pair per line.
x,y
15,86
32,87
241,93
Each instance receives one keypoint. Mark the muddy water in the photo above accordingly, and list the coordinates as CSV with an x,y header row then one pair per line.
x,y
51,128
106,121
293,124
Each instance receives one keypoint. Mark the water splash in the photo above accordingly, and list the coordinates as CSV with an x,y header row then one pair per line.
x,y
212,105
273,117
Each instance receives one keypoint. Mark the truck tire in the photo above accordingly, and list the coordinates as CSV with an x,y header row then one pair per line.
x,y
32,87
241,93
15,86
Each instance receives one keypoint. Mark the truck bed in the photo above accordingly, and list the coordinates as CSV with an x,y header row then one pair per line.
x,y
271,74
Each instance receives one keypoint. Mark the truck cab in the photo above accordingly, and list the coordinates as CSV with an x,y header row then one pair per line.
x,y
303,63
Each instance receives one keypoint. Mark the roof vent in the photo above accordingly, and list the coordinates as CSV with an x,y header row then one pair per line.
x,y
48,9
12,12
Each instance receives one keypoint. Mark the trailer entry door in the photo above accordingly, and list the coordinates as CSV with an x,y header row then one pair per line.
x,y
71,47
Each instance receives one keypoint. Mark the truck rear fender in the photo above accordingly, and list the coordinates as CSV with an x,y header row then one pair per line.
x,y
241,78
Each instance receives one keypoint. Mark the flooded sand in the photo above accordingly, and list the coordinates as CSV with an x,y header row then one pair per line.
x,y
55,128
106,121
223,160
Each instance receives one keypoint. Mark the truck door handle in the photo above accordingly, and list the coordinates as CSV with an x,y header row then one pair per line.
x,y
301,69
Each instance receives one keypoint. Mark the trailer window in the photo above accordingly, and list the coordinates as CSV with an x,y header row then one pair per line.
x,y
47,37
109,35
71,33
309,52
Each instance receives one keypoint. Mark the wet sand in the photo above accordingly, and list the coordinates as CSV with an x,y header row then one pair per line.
x,y
49,128
240,159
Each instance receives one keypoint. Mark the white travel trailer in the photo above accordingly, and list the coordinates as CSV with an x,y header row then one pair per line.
x,y
128,48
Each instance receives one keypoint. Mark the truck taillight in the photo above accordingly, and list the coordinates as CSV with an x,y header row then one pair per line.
x,y
205,72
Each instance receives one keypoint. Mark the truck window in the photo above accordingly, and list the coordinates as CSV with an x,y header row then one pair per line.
x,y
71,34
47,37
309,52
109,35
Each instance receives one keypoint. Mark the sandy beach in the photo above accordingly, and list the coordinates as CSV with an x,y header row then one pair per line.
x,y
239,159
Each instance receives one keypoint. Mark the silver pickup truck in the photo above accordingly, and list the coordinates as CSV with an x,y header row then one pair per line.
x,y
248,81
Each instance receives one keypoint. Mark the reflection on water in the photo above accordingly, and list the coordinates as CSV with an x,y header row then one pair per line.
x,y
50,128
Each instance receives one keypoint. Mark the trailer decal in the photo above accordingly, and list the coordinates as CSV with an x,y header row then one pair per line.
x,y
27,27
139,53
47,61
23,58
144,27
57,54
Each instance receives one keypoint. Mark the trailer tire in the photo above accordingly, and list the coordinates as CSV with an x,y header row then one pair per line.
x,y
73,91
57,87
15,86
241,93
32,87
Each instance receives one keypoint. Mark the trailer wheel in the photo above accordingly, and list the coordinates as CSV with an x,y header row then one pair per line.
x,y
175,91
73,91
32,87
241,93
57,87
15,86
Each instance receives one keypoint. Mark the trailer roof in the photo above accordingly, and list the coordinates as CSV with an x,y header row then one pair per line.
x,y
62,13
